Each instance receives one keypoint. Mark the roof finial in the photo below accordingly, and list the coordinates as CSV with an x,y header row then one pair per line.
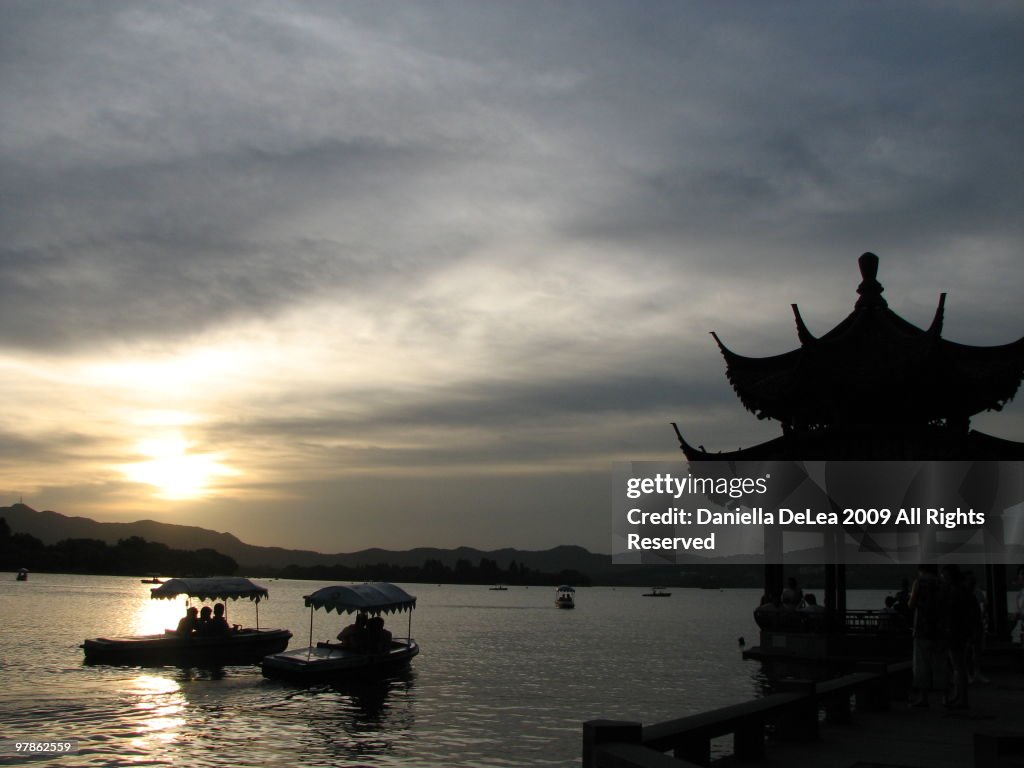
x,y
935,329
688,449
802,332
870,289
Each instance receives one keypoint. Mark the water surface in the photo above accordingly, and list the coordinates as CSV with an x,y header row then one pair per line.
x,y
503,678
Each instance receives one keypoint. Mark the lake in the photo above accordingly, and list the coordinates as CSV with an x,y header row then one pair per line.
x,y
503,678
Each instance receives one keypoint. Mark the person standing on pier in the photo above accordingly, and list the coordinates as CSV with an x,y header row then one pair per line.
x,y
1020,603
962,618
931,647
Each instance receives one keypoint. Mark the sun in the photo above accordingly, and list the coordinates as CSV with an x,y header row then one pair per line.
x,y
173,471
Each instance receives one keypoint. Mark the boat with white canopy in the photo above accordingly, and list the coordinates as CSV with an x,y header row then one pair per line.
x,y
230,646
565,597
364,648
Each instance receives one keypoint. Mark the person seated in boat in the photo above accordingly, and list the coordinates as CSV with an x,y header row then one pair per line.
x,y
187,625
810,605
812,615
765,614
792,595
218,625
203,623
379,639
353,637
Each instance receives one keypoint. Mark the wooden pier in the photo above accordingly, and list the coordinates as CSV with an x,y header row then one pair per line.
x,y
860,720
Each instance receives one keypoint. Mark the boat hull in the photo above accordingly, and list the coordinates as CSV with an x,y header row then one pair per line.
x,y
330,662
247,646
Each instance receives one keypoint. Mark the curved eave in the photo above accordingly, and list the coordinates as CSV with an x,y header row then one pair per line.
x,y
989,376
776,448
752,377
985,446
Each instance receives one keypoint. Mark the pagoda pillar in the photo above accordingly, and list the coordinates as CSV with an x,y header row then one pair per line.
x,y
831,604
773,573
995,597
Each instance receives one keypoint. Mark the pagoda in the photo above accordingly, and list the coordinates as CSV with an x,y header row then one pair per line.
x,y
876,388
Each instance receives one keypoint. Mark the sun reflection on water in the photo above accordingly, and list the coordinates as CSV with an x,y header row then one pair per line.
x,y
159,706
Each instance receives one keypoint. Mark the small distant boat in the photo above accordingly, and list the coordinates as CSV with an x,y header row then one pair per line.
x,y
22,574
657,592
152,580
564,597
347,660
241,646
499,588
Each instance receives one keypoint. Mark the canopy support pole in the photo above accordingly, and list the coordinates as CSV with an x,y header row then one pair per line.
x,y
257,614
309,651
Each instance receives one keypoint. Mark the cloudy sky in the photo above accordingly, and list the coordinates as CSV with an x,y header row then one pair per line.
x,y
348,274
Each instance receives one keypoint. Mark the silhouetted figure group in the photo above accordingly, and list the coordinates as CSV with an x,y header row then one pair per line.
x,y
792,610
202,623
948,621
365,635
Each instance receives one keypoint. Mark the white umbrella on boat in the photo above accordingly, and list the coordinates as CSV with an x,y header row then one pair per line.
x,y
374,597
212,588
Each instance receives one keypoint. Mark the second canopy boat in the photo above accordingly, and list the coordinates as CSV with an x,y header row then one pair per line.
x,y
364,648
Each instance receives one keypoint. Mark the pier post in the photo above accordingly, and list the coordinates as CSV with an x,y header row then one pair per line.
x,y
597,732
874,697
800,723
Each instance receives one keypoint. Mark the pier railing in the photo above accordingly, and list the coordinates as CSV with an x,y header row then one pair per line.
x,y
791,714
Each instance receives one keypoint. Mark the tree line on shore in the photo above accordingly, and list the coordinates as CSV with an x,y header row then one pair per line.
x,y
487,571
133,556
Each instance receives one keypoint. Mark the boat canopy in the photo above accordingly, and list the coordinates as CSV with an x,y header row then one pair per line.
x,y
219,588
566,588
375,597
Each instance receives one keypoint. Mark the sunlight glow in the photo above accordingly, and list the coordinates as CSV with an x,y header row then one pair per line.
x,y
172,470
154,616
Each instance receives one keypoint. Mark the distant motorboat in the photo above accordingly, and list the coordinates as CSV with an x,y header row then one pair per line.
x,y
152,580
241,646
564,597
657,592
499,588
349,659
22,574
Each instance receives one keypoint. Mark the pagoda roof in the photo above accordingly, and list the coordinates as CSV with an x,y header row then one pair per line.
x,y
875,367
929,443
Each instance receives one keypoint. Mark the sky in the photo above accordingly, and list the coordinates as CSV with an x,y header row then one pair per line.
x,y
334,275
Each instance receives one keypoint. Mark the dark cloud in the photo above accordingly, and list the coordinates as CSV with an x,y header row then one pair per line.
x,y
20,450
165,165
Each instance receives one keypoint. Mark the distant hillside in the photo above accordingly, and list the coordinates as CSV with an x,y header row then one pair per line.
x,y
51,527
